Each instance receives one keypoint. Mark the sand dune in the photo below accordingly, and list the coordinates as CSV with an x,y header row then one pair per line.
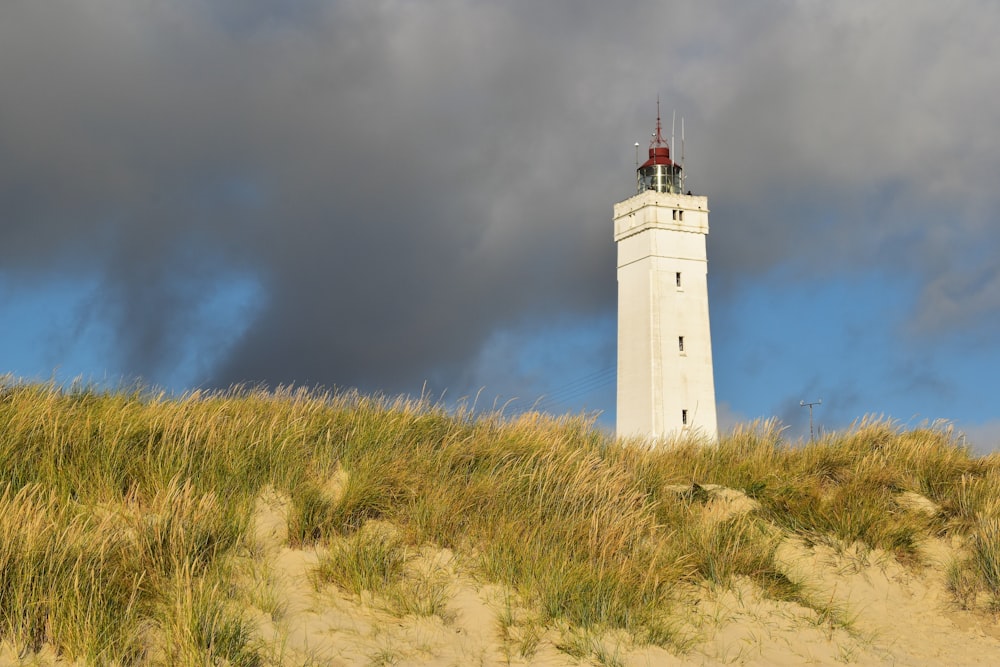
x,y
875,611
888,613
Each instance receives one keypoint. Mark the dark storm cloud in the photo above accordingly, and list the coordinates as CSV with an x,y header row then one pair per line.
x,y
868,119
403,179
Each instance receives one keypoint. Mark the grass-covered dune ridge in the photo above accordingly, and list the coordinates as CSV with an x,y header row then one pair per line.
x,y
129,523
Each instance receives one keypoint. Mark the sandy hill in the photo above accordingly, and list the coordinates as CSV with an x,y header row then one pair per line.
x,y
297,528
877,611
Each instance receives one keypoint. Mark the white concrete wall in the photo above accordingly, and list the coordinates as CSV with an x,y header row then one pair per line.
x,y
659,235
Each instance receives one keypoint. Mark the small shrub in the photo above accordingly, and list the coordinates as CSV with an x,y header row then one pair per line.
x,y
962,579
985,547
313,516
369,560
198,624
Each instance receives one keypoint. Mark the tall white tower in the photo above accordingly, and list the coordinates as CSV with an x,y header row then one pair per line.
x,y
665,382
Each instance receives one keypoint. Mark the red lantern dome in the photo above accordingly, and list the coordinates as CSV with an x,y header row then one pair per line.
x,y
659,172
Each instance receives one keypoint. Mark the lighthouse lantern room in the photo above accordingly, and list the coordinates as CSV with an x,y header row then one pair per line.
x,y
659,172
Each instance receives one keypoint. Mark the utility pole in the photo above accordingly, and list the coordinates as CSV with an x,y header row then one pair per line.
x,y
818,401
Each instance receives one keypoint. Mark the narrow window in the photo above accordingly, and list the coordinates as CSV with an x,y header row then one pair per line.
x,y
680,215
680,343
678,276
684,417
675,213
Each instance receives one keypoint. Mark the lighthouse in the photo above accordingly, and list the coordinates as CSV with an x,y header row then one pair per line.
x,y
665,383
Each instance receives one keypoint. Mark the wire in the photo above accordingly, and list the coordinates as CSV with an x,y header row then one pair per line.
x,y
567,393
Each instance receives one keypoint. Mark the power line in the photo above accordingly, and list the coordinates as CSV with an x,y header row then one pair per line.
x,y
566,393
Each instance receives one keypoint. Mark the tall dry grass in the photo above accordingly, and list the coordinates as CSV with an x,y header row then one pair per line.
x,y
130,505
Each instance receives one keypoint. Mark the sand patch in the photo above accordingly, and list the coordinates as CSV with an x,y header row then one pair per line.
x,y
719,503
918,503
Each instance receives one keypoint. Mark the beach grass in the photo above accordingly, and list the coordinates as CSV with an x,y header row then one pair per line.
x,y
121,513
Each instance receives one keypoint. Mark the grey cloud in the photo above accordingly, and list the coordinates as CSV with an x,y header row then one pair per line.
x,y
405,179
851,113
958,300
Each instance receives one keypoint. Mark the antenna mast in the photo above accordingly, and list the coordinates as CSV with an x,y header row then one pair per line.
x,y
658,139
673,124
683,170
810,405
638,178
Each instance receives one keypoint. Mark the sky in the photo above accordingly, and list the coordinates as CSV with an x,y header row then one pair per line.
x,y
412,197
